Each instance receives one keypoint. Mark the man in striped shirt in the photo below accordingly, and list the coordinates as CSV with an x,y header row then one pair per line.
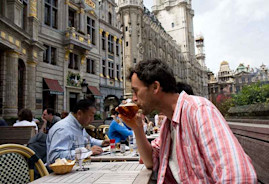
x,y
195,143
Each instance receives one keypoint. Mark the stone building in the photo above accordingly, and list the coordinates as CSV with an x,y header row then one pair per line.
x,y
149,35
231,82
244,75
49,48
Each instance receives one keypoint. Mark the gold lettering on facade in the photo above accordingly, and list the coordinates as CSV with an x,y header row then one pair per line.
x,y
115,38
101,31
35,54
90,3
120,41
24,51
11,39
18,43
3,35
101,75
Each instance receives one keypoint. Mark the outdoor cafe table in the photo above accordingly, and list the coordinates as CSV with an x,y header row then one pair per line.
x,y
103,172
152,136
106,157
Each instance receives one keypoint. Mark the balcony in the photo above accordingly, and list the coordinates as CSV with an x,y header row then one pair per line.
x,y
77,39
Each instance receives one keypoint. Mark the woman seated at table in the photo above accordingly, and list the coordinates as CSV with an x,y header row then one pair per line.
x,y
25,118
117,129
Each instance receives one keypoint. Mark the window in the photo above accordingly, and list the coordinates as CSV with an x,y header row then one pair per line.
x,y
126,44
49,55
134,60
111,69
118,71
126,28
51,13
104,68
104,40
109,18
173,24
24,14
117,47
90,66
110,44
91,29
71,17
73,61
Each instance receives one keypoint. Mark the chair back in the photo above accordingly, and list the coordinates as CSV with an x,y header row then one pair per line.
x,y
17,164
91,130
17,134
103,129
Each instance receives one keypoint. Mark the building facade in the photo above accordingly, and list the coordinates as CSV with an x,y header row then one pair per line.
x,y
230,82
49,48
147,35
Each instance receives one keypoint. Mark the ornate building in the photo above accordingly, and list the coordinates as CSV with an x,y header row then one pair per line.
x,y
229,82
51,49
149,35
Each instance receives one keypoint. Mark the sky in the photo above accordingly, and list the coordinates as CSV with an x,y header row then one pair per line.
x,y
236,31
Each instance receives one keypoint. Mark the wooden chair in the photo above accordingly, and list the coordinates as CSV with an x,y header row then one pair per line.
x,y
91,130
17,164
103,130
17,134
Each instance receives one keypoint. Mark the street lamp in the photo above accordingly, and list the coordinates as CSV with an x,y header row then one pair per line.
x,y
84,86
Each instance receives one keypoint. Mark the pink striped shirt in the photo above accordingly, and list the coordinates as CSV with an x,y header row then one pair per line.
x,y
206,149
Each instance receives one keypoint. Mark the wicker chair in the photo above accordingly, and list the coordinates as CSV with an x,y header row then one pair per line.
x,y
17,164
103,130
91,130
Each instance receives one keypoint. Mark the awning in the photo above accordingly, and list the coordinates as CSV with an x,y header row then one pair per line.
x,y
94,91
54,86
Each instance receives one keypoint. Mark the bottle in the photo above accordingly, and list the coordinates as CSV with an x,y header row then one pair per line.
x,y
112,147
122,146
131,143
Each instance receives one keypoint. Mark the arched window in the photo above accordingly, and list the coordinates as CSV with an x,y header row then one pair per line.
x,y
109,18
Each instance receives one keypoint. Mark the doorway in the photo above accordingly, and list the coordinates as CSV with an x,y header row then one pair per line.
x,y
73,98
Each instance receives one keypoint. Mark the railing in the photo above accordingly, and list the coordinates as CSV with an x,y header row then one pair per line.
x,y
254,138
72,34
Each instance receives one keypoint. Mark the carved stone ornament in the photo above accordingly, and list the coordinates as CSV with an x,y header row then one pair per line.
x,y
141,48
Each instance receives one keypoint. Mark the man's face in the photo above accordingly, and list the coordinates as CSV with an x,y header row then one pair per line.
x,y
142,95
86,117
47,116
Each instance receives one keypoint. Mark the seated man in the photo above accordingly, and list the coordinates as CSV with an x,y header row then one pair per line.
x,y
49,118
117,129
69,133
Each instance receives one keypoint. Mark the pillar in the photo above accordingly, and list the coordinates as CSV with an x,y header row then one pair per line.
x,y
10,108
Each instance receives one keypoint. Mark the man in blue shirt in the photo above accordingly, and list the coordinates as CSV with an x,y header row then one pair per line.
x,y
118,130
69,133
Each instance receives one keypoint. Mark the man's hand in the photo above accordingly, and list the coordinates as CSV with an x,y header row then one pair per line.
x,y
133,123
96,150
106,142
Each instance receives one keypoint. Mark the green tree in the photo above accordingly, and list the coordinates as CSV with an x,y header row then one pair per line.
x,y
252,94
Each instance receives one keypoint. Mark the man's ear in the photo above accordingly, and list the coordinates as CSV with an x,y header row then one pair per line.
x,y
156,87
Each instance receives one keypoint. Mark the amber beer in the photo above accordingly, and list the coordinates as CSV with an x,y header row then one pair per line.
x,y
128,110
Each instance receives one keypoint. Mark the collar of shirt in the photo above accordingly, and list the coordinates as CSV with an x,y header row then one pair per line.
x,y
177,111
76,123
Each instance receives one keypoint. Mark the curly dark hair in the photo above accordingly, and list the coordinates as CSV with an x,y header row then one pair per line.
x,y
25,114
149,71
